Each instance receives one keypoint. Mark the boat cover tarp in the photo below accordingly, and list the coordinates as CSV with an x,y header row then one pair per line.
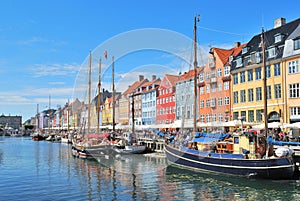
x,y
161,134
209,137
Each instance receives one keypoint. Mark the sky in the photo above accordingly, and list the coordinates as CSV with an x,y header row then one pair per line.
x,y
45,45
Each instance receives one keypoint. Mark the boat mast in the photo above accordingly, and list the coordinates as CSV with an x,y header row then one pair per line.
x,y
49,111
89,93
264,82
99,98
113,94
196,18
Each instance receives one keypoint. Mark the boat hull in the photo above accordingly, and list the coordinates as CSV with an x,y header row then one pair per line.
x,y
275,168
134,149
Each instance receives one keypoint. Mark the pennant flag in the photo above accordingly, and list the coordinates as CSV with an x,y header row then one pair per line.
x,y
105,54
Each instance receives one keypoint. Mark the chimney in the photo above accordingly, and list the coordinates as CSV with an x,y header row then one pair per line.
x,y
237,44
279,22
153,77
141,77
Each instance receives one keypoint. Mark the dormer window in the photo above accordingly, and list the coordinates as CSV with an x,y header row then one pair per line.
x,y
272,52
244,50
297,44
278,38
239,62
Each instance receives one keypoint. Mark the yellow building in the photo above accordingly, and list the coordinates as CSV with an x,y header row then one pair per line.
x,y
247,71
291,58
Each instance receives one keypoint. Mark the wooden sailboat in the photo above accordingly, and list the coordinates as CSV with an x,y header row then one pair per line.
x,y
37,136
248,156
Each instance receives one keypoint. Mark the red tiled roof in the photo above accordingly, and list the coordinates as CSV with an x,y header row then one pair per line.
x,y
225,54
134,86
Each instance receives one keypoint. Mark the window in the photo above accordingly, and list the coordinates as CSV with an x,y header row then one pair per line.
x,y
250,95
201,90
258,94
278,38
214,117
208,103
242,77
239,62
243,114
294,90
235,115
277,91
207,88
202,118
226,85
235,79
295,112
293,67
213,87
207,75
243,96
251,115
297,44
201,103
213,74
220,117
201,75
258,73
269,93
272,52
268,71
257,57
258,115
277,69
226,70
220,87
244,50
213,102
250,75
219,72
236,97
227,100
208,118
220,101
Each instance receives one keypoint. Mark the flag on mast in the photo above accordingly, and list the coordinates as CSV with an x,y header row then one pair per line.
x,y
105,54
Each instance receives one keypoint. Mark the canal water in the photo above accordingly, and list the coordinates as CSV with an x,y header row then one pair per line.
x,y
43,170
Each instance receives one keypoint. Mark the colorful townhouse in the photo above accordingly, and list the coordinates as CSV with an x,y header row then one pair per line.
x,y
149,94
125,100
166,100
185,99
291,73
248,73
214,86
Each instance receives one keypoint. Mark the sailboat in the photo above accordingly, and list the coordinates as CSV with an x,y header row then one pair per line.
x,y
37,136
86,148
245,154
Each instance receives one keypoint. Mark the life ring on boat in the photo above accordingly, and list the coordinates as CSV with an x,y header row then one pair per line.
x,y
261,149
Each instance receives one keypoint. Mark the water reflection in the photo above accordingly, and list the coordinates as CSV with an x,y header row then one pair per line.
x,y
219,187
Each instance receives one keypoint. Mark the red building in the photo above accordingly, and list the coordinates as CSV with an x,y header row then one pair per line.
x,y
166,102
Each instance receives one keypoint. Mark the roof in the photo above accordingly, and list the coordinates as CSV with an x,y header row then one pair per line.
x,y
224,54
190,74
253,46
172,79
134,86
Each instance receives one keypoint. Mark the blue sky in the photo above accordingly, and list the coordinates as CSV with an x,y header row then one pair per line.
x,y
44,45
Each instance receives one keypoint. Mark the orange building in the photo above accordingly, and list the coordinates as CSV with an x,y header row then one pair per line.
x,y
214,86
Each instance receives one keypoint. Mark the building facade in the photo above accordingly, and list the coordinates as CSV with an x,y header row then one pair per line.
x,y
166,100
248,74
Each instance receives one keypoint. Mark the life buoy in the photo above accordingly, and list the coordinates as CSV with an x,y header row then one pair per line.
x,y
261,149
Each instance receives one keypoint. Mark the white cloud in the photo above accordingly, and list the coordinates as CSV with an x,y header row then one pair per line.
x,y
40,70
